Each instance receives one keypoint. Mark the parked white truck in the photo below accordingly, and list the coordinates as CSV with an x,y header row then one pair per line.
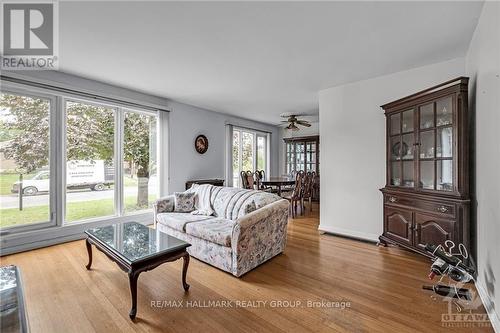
x,y
93,174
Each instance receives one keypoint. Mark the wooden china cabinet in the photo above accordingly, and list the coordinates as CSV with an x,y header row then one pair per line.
x,y
302,154
426,197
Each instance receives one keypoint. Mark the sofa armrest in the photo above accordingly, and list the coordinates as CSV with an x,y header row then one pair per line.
x,y
259,236
163,205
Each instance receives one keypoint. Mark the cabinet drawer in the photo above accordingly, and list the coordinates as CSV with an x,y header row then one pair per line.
x,y
434,207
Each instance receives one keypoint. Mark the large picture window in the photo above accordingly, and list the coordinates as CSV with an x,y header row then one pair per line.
x,y
93,160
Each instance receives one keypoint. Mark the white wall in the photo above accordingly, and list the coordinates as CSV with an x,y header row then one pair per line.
x,y
352,136
186,122
483,67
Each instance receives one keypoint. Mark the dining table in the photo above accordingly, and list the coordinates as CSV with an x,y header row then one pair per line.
x,y
278,182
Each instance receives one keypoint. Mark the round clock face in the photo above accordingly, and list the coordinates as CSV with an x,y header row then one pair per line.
x,y
201,144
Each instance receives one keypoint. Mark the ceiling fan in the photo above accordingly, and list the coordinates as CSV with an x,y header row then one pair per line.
x,y
292,121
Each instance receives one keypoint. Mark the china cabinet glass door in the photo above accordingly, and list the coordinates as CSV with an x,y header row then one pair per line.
x,y
290,157
436,145
311,156
401,149
300,157
302,154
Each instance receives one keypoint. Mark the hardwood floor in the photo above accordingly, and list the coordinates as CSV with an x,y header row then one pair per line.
x,y
382,285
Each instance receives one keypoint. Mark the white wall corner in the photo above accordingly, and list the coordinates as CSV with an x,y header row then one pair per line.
x,y
488,305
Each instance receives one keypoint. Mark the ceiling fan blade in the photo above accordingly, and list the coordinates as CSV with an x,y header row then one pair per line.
x,y
284,121
295,128
303,123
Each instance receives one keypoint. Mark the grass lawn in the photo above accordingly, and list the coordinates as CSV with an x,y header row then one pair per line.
x,y
75,211
7,179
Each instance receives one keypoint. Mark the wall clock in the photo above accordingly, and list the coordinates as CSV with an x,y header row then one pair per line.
x,y
201,144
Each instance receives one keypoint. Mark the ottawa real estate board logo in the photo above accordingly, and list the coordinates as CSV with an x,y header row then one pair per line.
x,y
29,35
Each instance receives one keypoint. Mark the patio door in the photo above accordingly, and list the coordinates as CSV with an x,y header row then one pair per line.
x,y
249,152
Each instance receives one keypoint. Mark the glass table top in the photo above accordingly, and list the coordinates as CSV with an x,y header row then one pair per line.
x,y
12,311
134,241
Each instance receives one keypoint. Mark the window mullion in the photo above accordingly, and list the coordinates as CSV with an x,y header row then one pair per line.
x,y
118,163
58,149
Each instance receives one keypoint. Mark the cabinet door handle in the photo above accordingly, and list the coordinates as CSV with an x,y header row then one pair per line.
x,y
393,199
442,209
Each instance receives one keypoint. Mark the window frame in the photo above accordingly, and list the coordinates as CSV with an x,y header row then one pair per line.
x,y
57,166
53,161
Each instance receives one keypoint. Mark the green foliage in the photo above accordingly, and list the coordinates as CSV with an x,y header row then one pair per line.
x,y
89,132
29,151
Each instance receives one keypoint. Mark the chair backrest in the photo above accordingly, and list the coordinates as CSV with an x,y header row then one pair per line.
x,y
260,175
244,179
250,180
308,185
299,185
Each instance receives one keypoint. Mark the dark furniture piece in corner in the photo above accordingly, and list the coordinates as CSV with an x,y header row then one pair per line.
x,y
216,182
302,154
136,248
426,197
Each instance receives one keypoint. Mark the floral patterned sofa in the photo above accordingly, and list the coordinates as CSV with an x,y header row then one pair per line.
x,y
247,227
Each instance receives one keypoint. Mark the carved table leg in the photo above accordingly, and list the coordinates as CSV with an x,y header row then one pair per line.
x,y
184,271
132,277
89,251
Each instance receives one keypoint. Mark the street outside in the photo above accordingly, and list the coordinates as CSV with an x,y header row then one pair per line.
x,y
41,199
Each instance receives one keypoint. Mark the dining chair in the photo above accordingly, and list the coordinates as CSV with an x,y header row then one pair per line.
x,y
295,196
307,191
259,177
244,179
250,180
315,186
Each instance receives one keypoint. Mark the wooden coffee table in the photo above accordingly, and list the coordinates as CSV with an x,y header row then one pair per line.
x,y
136,249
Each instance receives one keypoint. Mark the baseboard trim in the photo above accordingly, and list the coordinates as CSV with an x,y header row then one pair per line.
x,y
367,237
485,298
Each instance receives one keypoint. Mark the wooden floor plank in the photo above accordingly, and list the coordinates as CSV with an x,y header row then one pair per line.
x,y
383,286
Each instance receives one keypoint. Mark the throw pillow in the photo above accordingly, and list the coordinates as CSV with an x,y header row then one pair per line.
x,y
165,204
184,202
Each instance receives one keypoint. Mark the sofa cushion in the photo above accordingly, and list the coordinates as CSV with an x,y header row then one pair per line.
x,y
178,221
216,230
224,199
257,200
184,201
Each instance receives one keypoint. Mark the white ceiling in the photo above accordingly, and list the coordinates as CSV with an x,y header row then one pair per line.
x,y
256,60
